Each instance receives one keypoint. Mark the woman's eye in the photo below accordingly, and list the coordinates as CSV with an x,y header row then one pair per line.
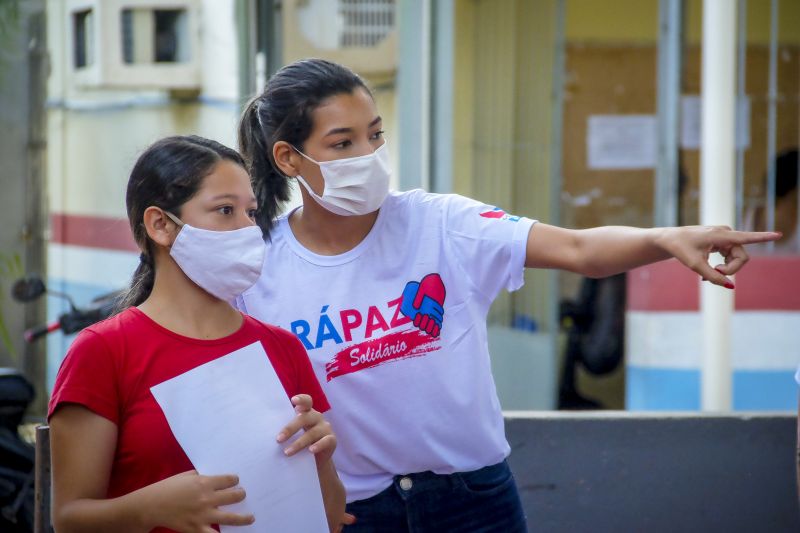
x,y
225,210
343,144
377,135
252,214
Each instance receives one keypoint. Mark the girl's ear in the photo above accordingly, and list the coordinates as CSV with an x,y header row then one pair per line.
x,y
286,158
159,227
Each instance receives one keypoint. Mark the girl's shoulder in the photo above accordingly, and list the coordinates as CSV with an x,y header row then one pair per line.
x,y
274,336
115,325
108,340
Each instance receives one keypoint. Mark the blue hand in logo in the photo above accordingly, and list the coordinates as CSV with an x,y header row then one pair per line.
x,y
409,294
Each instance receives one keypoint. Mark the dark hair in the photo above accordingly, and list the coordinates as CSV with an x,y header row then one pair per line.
x,y
166,175
282,112
785,173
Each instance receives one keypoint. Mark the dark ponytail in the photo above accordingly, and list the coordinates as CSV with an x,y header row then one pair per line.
x,y
270,186
166,175
283,112
141,284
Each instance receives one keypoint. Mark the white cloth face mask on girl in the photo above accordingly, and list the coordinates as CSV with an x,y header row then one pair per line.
x,y
223,263
355,185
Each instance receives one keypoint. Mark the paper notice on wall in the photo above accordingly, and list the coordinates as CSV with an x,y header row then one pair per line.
x,y
691,123
621,142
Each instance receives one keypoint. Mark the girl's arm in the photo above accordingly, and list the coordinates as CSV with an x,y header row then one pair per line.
x,y
320,440
333,496
82,451
609,250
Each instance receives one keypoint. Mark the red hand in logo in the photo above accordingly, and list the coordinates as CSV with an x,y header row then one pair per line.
x,y
432,287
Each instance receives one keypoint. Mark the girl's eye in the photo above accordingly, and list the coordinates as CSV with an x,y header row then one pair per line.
x,y
343,144
377,135
225,210
252,214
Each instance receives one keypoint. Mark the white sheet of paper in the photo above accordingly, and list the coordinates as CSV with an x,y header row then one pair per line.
x,y
226,414
624,142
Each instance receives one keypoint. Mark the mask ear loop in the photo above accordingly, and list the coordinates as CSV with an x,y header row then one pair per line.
x,y
178,222
304,155
175,219
302,180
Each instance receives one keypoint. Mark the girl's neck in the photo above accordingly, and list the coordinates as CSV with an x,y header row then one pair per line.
x,y
326,233
182,307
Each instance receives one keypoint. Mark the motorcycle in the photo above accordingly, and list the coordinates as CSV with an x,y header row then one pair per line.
x,y
16,394
31,288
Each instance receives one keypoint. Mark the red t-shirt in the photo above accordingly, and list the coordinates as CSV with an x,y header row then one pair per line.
x,y
111,366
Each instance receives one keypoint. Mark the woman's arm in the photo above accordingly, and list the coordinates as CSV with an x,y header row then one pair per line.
x,y
82,451
609,250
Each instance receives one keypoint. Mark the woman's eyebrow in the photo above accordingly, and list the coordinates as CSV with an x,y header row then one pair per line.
x,y
336,131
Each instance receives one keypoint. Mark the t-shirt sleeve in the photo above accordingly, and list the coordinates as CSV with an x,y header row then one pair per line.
x,y
87,377
488,243
304,381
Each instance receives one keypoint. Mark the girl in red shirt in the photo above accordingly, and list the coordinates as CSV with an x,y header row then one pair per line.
x,y
116,464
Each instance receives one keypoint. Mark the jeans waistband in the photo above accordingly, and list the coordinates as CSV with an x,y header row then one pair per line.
x,y
432,481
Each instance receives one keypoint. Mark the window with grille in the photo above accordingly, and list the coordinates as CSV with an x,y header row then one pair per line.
x,y
343,24
365,22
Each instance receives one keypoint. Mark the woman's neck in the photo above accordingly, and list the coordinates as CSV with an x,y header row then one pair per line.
x,y
182,307
326,233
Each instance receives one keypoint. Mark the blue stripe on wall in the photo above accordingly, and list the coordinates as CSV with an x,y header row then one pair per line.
x,y
662,389
764,390
659,389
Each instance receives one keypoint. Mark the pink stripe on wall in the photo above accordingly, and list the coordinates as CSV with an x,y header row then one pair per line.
x,y
770,283
92,232
664,286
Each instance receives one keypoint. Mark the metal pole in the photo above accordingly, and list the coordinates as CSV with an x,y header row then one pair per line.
x,y
246,32
441,148
42,519
716,189
413,93
557,140
772,99
557,149
669,90
35,360
741,94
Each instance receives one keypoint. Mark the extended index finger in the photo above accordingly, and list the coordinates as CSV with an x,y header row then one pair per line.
x,y
753,237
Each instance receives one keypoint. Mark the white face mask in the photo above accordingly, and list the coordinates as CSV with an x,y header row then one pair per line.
x,y
223,263
353,186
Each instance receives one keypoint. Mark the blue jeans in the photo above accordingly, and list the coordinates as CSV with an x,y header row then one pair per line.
x,y
481,501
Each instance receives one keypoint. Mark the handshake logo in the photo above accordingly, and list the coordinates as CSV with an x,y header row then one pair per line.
x,y
423,303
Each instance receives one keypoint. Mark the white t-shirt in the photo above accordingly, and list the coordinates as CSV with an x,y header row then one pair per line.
x,y
403,398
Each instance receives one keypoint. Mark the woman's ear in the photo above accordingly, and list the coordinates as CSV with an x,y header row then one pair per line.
x,y
159,227
286,158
